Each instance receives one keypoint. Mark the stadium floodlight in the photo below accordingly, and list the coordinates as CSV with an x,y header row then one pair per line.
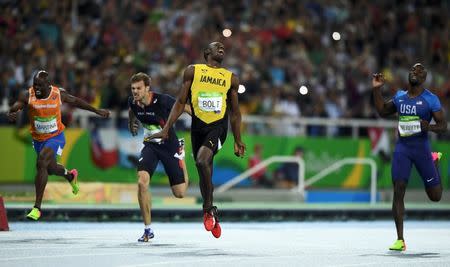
x,y
227,33
241,89
303,90
336,36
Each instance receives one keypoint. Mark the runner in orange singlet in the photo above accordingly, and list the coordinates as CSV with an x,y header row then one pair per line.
x,y
44,103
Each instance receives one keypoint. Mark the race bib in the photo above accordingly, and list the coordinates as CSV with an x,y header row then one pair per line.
x,y
409,125
150,129
45,125
210,101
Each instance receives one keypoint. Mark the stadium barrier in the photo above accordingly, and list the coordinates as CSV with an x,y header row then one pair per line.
x,y
302,183
3,218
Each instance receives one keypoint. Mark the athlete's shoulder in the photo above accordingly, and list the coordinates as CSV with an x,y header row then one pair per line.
x,y
164,99
24,95
432,99
131,101
400,92
428,93
163,95
398,95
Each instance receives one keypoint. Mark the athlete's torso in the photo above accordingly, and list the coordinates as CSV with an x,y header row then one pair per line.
x,y
154,116
45,115
208,96
411,111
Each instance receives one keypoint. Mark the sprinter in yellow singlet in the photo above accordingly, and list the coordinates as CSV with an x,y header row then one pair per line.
x,y
211,90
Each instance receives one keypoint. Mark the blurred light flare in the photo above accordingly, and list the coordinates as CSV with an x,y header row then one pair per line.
x,y
336,36
227,33
241,89
303,90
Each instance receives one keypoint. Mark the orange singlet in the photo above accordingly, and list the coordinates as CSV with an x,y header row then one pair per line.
x,y
45,115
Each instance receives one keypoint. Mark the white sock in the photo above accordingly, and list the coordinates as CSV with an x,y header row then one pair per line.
x,y
147,226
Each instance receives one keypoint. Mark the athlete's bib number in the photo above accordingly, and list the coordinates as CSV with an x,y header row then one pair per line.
x,y
149,130
45,125
409,125
210,102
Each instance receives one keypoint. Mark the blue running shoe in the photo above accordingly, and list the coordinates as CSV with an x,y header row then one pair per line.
x,y
148,234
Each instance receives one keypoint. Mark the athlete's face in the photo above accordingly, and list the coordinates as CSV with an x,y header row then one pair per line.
x,y
217,51
138,89
41,87
417,74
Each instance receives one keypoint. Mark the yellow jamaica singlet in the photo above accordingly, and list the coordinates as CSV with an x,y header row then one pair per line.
x,y
209,93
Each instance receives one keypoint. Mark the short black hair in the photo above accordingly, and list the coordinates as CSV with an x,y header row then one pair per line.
x,y
41,74
140,76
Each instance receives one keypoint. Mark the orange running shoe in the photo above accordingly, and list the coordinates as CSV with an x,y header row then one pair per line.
x,y
209,220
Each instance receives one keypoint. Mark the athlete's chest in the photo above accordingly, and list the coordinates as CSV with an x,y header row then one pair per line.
x,y
44,105
413,107
150,114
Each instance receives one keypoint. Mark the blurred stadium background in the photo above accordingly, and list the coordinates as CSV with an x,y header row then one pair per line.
x,y
305,67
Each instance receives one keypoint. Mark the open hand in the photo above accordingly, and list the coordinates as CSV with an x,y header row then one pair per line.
x,y
377,80
424,125
239,149
12,116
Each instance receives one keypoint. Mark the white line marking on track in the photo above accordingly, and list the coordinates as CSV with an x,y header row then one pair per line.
x,y
391,263
187,262
67,255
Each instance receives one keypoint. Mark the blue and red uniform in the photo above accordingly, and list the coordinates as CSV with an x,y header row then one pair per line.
x,y
413,145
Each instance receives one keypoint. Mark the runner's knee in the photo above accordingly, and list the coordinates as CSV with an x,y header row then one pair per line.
x,y
178,193
143,179
201,163
41,163
399,187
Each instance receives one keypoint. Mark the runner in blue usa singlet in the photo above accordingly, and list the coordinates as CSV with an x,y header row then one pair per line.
x,y
413,146
415,108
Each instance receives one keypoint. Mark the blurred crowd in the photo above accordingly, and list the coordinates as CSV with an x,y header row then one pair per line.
x,y
92,47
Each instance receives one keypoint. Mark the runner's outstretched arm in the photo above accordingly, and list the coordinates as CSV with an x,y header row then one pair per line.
x,y
384,109
80,103
20,103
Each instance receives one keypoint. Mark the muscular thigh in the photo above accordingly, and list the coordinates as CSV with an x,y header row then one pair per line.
x,y
401,166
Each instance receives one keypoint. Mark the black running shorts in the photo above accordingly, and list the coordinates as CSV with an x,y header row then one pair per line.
x,y
213,138
171,155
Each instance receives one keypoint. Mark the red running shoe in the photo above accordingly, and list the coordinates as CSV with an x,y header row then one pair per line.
x,y
216,231
209,220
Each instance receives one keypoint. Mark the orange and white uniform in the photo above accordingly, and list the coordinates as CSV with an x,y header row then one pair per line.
x,y
45,115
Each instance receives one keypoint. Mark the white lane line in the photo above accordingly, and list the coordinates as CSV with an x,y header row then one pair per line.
x,y
43,247
404,261
67,255
186,262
